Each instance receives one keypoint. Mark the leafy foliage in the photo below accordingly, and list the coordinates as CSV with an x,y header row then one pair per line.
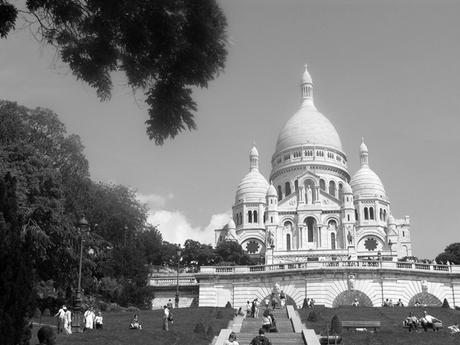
x,y
163,47
451,254
336,325
232,252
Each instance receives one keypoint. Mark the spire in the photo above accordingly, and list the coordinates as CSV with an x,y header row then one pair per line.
x,y
364,154
254,159
306,86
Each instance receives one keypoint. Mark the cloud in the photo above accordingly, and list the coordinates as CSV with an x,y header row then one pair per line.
x,y
175,228
154,201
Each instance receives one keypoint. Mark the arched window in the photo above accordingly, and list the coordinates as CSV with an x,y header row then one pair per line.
x,y
288,241
287,187
356,214
340,191
371,211
280,193
256,220
249,216
322,184
384,215
296,185
366,213
348,217
381,214
310,222
332,188
332,240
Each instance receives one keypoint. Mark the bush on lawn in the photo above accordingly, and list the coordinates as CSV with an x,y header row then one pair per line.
x,y
336,326
210,331
312,317
37,313
199,328
305,304
219,314
46,312
445,304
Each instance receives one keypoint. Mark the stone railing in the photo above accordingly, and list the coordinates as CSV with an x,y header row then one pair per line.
x,y
168,281
312,265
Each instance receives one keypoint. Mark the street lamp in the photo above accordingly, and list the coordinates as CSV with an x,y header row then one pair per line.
x,y
178,252
76,326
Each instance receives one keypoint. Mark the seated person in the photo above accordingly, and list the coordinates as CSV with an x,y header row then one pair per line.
x,y
390,303
386,303
454,328
240,312
399,303
135,323
418,303
355,303
412,322
429,321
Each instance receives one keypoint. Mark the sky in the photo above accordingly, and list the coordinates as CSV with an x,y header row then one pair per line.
x,y
386,71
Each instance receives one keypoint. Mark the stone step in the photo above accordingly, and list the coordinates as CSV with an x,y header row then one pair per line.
x,y
276,338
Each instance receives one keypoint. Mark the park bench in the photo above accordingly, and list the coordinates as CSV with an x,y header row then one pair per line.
x,y
437,325
361,324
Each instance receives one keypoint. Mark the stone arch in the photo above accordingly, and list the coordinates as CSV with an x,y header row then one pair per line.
x,y
348,297
425,298
289,301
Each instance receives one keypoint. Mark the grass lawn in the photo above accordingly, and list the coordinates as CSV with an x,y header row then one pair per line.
x,y
391,331
116,331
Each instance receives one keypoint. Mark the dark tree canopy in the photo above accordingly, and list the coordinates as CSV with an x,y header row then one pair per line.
x,y
164,47
451,254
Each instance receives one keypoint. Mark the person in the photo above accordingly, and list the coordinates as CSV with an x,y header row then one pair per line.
x,y
166,318
266,321
256,308
390,303
239,312
273,300
412,322
355,303
312,303
386,303
231,339
418,303
89,319
98,321
429,321
454,328
60,319
169,304
273,327
267,303
135,323
248,309
282,299
399,303
67,321
260,339
46,336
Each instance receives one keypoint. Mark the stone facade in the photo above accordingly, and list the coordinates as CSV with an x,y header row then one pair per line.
x,y
313,209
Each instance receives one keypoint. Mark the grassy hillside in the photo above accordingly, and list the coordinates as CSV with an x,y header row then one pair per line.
x,y
116,331
390,319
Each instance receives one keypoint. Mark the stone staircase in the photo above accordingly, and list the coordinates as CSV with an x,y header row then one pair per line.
x,y
249,328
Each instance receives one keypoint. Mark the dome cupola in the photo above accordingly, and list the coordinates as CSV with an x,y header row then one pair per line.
x,y
366,182
253,187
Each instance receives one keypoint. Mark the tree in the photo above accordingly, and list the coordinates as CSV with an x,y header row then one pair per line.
x,y
232,253
150,241
196,255
451,254
16,272
164,47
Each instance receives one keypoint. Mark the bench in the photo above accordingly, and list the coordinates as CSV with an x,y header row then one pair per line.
x,y
437,325
361,324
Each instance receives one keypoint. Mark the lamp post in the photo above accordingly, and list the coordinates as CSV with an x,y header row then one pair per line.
x,y
379,257
76,325
178,252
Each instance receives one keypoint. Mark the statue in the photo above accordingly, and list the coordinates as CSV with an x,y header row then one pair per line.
x,y
351,282
350,237
309,195
270,238
424,285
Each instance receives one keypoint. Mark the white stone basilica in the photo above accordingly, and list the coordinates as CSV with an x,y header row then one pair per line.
x,y
313,209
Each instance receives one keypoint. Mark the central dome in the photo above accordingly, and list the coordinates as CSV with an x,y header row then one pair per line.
x,y
308,126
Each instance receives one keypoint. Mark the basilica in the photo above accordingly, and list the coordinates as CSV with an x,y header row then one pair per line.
x,y
311,208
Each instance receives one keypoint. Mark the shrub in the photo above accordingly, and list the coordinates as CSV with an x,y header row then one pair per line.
x,y
194,303
37,313
210,331
445,304
103,306
132,309
46,312
113,307
228,305
199,328
219,314
336,326
312,317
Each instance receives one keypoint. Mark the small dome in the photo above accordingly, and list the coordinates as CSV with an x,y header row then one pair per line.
x,y
306,77
252,187
231,224
346,189
366,182
272,190
391,220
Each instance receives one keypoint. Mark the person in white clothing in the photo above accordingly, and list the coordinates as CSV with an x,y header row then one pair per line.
x,y
89,319
67,321
61,319
429,321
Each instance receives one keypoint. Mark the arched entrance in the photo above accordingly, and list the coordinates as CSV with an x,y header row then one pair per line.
x,y
349,296
425,298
